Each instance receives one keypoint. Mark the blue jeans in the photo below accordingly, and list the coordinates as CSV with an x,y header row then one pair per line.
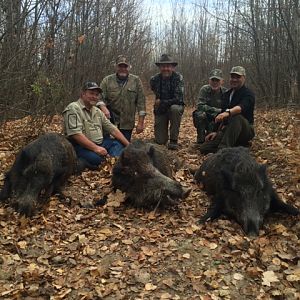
x,y
113,147
127,133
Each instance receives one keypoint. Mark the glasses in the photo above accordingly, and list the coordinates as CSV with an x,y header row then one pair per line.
x,y
215,79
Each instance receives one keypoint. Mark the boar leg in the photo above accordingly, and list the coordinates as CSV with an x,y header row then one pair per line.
x,y
6,190
213,212
277,205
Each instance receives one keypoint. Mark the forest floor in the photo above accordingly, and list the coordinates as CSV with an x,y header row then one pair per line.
x,y
116,252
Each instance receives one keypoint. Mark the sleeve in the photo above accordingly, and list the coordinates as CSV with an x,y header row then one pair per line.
x,y
141,100
106,124
202,103
178,92
201,98
247,102
224,102
153,87
103,86
72,120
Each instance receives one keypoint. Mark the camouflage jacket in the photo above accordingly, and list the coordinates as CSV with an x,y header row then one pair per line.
x,y
210,102
170,90
124,101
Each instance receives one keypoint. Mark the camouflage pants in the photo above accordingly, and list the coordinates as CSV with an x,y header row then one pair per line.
x,y
238,132
204,123
161,124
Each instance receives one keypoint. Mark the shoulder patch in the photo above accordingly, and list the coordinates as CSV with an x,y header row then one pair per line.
x,y
72,121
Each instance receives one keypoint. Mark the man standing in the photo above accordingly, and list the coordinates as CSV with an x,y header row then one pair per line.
x,y
123,96
168,88
84,124
235,122
208,105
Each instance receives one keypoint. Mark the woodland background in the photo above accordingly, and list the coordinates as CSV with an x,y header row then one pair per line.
x,y
81,251
49,47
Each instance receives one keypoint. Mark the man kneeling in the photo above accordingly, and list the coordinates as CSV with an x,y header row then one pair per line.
x,y
84,124
235,122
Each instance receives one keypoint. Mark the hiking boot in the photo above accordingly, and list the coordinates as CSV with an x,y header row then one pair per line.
x,y
173,145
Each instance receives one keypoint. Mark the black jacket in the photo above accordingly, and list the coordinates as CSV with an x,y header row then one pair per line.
x,y
244,98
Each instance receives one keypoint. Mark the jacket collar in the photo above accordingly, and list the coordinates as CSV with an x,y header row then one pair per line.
x,y
83,107
237,91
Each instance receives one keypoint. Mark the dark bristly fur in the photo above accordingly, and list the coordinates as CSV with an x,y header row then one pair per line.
x,y
240,189
43,166
144,173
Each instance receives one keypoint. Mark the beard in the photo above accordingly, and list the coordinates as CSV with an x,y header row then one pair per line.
x,y
166,74
123,75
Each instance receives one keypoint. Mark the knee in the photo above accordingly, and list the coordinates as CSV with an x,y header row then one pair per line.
x,y
199,116
176,109
237,119
208,147
91,157
116,149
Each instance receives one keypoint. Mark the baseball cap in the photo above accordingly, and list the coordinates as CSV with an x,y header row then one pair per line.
x,y
122,60
216,73
90,85
238,70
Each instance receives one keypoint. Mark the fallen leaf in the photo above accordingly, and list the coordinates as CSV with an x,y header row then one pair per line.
x,y
150,287
269,277
238,276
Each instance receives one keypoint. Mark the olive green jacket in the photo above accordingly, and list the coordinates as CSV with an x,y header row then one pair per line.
x,y
124,101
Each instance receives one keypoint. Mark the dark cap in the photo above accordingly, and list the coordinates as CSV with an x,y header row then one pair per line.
x,y
166,59
90,85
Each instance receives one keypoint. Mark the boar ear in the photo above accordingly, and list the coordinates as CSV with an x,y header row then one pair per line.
x,y
123,157
262,169
262,174
151,151
228,178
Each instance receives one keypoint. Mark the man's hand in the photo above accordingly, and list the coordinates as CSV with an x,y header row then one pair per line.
x,y
211,136
105,111
100,151
222,117
139,127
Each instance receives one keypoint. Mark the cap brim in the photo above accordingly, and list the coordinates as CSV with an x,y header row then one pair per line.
x,y
166,63
237,73
122,63
94,88
215,77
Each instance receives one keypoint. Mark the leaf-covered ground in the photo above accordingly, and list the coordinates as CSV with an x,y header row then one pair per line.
x,y
78,251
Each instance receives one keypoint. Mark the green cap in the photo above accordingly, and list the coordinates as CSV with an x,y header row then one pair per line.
x,y
90,85
238,70
122,60
216,73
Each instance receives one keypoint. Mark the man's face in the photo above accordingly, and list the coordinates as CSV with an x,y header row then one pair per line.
x,y
236,81
122,70
166,70
215,83
90,97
